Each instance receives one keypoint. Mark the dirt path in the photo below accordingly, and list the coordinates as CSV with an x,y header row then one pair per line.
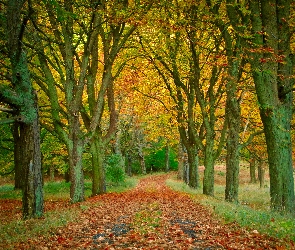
x,y
151,216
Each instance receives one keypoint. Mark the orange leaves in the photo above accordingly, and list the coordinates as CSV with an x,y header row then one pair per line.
x,y
151,216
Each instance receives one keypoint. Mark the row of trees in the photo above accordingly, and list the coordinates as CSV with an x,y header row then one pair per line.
x,y
205,52
91,65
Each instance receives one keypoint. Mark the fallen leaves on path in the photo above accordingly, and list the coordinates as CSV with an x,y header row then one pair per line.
x,y
151,216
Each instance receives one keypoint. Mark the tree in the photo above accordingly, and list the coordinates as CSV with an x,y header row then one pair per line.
x,y
269,52
234,62
194,83
116,27
80,86
22,99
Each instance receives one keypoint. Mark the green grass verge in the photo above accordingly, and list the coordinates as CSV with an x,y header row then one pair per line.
x,y
7,192
129,183
21,231
61,190
261,218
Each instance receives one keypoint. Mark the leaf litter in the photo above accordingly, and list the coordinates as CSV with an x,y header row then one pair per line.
x,y
150,216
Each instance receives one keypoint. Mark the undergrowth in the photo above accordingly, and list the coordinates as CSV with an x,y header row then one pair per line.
x,y
261,218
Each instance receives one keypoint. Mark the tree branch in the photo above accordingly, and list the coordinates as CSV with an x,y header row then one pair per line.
x,y
250,139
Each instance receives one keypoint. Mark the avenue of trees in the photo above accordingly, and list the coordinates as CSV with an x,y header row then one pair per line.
x,y
84,83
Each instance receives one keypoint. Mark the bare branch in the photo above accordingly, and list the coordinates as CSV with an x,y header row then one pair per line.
x,y
152,97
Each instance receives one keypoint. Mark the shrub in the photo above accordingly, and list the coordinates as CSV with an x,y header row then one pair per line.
x,y
114,169
155,160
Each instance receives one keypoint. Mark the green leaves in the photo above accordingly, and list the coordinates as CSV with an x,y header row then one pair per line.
x,y
115,169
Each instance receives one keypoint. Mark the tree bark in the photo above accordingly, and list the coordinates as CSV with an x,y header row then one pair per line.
x,y
75,149
142,163
67,176
18,166
193,166
208,181
232,110
253,171
51,173
31,157
233,115
261,173
180,156
128,169
98,170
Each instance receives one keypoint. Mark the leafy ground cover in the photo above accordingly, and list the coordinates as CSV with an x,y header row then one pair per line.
x,y
252,213
150,216
58,211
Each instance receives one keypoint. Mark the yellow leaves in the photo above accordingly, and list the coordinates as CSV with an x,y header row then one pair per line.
x,y
144,98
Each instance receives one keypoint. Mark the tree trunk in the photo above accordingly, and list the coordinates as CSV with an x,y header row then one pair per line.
x,y
98,171
75,149
167,167
186,172
51,172
23,97
18,166
193,166
261,173
76,173
180,172
233,114
142,163
67,176
232,166
141,157
33,184
253,171
208,181
277,126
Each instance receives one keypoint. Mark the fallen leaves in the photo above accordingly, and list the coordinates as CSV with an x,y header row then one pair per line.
x,y
151,216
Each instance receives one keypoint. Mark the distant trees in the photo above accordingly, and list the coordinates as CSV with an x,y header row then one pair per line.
x,y
185,60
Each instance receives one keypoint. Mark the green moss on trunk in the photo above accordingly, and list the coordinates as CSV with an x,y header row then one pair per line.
x,y
193,164
98,171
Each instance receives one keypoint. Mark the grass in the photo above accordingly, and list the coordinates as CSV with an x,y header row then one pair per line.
x,y
59,190
148,219
18,230
122,187
7,192
252,212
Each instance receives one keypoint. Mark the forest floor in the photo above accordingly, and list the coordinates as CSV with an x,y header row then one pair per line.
x,y
150,216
